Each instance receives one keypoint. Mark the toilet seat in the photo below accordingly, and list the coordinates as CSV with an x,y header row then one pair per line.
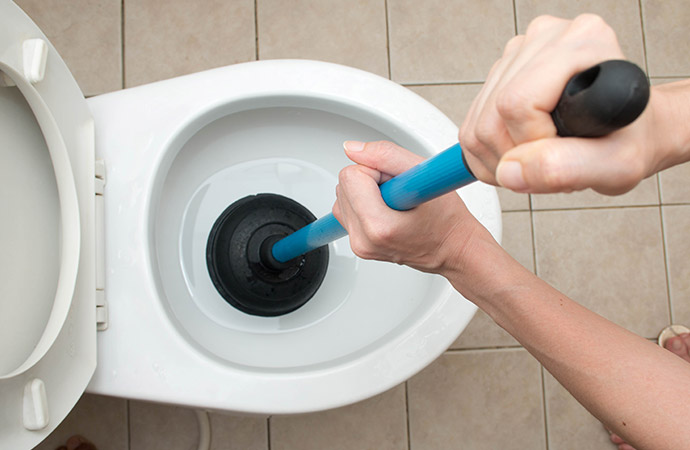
x,y
48,250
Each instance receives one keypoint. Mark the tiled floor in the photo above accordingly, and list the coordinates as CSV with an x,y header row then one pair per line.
x,y
625,257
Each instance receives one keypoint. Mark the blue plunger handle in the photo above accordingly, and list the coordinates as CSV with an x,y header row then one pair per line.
x,y
595,102
434,177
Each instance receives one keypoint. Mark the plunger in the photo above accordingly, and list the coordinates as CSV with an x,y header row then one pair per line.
x,y
267,255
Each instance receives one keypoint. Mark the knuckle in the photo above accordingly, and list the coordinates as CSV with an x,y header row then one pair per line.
x,y
360,248
383,148
376,233
589,21
592,25
345,175
484,131
541,23
470,142
513,44
511,104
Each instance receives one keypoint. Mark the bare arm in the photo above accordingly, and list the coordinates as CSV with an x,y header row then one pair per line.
x,y
624,380
627,382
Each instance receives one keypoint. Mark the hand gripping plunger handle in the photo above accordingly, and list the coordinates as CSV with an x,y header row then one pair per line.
x,y
594,103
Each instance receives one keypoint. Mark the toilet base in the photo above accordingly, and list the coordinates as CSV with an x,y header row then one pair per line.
x,y
240,263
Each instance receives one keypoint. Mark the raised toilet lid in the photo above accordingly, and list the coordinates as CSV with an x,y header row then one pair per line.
x,y
47,255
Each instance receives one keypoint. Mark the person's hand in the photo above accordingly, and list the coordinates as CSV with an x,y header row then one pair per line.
x,y
509,137
428,238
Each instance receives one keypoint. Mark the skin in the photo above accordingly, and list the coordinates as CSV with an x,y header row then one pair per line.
x,y
77,443
642,395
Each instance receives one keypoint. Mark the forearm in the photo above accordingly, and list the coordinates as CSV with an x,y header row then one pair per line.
x,y
627,382
669,111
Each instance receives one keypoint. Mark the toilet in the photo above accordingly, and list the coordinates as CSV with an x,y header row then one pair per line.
x,y
107,207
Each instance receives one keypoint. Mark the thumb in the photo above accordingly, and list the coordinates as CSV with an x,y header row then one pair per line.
x,y
570,164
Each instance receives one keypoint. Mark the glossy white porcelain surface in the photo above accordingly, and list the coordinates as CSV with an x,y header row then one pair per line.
x,y
178,152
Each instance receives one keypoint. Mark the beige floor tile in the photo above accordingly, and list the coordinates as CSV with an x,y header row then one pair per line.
x,y
102,420
609,260
517,237
447,41
161,427
377,423
348,32
675,184
168,38
666,36
453,100
87,35
645,193
238,433
570,426
513,201
154,426
477,400
677,230
622,15
482,332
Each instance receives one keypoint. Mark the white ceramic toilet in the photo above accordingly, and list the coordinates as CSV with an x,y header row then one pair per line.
x,y
107,205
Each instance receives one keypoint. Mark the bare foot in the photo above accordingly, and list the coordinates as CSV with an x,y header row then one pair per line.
x,y
679,345
77,443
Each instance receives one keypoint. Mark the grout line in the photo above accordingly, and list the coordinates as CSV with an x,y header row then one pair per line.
x,y
644,38
129,427
268,433
515,24
666,265
534,235
443,83
515,210
122,41
407,417
670,77
256,29
589,208
453,351
544,405
664,249
388,39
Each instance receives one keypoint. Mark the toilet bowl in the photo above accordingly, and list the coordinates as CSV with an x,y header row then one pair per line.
x,y
123,191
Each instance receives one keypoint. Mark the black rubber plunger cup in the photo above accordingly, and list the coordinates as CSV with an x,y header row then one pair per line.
x,y
242,269
267,255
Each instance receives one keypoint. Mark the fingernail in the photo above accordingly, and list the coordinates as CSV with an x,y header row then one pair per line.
x,y
509,175
353,146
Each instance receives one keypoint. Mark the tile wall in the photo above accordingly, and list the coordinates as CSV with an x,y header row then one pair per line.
x,y
624,257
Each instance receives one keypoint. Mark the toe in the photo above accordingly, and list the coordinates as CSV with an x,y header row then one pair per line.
x,y
616,439
679,345
625,447
79,443
685,337
676,345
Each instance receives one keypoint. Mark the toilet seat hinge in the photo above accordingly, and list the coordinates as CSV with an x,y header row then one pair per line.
x,y
101,305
